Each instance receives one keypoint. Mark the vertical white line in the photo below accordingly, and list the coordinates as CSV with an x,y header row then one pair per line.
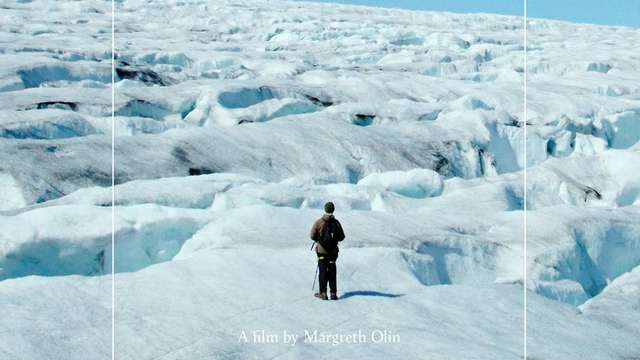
x,y
525,184
113,181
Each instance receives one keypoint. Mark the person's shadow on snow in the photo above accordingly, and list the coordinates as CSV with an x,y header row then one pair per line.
x,y
349,294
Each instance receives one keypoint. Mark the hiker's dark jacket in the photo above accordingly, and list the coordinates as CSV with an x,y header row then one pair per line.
x,y
321,228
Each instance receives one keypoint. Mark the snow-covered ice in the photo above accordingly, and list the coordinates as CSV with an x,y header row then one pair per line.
x,y
583,237
235,121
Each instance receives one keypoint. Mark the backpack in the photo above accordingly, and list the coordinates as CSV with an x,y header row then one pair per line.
x,y
328,238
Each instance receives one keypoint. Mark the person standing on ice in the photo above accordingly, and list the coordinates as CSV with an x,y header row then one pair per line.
x,y
327,233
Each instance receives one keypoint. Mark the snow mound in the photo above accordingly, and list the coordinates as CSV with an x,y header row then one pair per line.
x,y
416,183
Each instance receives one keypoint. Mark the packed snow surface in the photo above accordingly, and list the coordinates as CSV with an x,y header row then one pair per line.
x,y
235,121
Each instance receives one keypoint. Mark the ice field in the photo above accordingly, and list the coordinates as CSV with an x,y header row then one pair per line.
x,y
235,121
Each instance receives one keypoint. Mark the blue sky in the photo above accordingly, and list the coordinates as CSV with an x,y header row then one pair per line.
x,y
606,12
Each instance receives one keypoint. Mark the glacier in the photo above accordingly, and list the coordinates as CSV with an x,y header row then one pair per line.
x,y
235,121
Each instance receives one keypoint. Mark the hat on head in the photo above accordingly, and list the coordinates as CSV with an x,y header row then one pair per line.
x,y
329,208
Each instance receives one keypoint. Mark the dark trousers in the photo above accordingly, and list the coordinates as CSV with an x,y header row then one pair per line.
x,y
327,272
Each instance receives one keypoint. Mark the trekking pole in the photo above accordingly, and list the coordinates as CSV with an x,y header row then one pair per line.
x,y
317,269
313,287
